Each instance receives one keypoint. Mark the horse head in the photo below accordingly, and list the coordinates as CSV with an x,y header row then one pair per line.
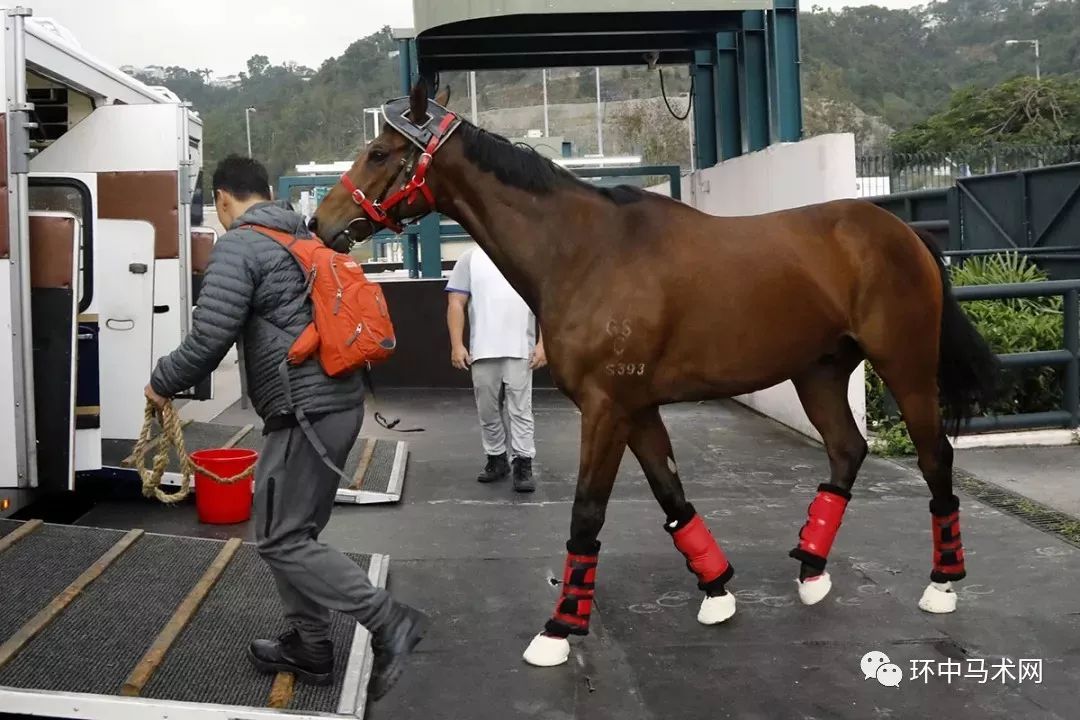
x,y
387,184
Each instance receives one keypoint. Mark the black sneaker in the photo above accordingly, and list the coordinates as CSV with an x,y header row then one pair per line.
x,y
523,475
391,646
312,663
497,468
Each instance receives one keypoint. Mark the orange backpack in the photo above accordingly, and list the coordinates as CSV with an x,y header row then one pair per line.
x,y
351,328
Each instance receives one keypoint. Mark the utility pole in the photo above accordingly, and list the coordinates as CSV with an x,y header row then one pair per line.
x,y
599,116
472,95
1035,43
547,128
247,121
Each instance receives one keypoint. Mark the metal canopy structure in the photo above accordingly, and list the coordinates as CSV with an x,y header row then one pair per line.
x,y
743,54
448,39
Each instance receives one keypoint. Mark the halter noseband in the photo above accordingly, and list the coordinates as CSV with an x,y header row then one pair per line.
x,y
377,210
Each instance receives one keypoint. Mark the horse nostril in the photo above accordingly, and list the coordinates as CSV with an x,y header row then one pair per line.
x,y
313,224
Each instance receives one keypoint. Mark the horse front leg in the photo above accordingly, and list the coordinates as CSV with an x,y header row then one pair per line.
x,y
650,443
604,431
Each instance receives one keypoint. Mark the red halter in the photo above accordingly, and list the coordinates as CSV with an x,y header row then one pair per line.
x,y
377,211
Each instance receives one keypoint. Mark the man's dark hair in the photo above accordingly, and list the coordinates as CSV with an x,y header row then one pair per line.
x,y
242,177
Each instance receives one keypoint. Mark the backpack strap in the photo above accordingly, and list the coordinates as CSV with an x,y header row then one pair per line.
x,y
305,424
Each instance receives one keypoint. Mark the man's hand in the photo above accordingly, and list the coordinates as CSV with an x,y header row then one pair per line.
x,y
539,358
153,397
460,357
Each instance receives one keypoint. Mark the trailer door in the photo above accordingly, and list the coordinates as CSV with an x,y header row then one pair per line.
x,y
125,255
54,297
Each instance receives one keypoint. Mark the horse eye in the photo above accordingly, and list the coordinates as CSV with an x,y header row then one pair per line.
x,y
377,156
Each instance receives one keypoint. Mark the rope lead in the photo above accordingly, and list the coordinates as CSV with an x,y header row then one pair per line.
x,y
172,437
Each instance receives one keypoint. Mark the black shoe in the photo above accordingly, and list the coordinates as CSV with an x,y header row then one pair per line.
x,y
523,476
392,646
310,662
497,468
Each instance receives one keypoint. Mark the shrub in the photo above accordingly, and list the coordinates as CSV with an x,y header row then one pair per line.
x,y
1015,325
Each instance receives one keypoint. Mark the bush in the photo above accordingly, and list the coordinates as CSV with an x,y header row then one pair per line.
x,y
1016,325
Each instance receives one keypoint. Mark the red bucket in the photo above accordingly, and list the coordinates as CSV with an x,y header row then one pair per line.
x,y
224,503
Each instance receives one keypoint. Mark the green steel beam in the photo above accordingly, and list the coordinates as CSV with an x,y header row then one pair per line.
x,y
430,246
754,80
786,59
729,118
288,183
705,137
406,53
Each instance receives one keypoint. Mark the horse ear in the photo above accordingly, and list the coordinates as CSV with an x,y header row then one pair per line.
x,y
418,102
443,98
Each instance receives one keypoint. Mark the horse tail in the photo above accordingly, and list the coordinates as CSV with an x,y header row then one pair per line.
x,y
968,370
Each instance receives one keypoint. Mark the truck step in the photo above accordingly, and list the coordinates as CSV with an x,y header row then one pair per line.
x,y
153,619
375,467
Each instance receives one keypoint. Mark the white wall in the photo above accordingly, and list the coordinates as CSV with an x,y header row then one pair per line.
x,y
779,177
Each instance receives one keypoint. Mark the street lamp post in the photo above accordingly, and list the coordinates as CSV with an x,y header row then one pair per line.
x,y
1035,43
247,121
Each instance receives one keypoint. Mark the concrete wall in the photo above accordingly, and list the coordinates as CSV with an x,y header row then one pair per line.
x,y
782,176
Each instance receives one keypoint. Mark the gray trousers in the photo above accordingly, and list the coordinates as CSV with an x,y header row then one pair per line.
x,y
503,390
294,495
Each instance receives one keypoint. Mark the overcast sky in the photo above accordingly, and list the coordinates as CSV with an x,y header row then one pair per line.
x,y
223,34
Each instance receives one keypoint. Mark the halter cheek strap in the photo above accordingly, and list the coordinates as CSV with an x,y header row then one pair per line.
x,y
417,185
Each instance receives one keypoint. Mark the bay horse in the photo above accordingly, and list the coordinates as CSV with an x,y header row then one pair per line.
x,y
736,305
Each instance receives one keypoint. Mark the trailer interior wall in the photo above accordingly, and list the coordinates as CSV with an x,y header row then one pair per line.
x,y
782,176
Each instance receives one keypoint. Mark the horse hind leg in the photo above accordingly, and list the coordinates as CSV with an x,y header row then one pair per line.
x,y
917,395
650,443
604,429
823,391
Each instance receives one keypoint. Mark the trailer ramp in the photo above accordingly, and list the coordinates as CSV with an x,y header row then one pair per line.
x,y
109,625
375,469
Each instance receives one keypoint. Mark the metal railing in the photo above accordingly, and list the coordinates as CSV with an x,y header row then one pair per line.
x,y
1067,357
891,172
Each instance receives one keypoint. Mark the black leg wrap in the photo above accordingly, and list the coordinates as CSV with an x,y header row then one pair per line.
x,y
941,508
941,577
557,629
685,516
818,563
715,588
579,547
835,490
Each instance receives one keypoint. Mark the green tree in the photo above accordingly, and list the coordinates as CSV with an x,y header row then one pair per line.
x,y
257,65
1022,111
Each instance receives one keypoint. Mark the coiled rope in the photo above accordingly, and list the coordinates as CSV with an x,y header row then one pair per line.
x,y
172,437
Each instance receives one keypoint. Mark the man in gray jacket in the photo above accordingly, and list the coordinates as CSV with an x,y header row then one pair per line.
x,y
255,290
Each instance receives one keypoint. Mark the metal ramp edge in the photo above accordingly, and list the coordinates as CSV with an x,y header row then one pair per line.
x,y
376,467
350,697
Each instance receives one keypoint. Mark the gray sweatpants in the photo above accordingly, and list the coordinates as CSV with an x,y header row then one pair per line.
x,y
503,390
294,495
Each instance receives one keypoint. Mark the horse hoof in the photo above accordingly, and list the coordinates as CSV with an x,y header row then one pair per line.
x,y
938,598
813,590
547,651
715,610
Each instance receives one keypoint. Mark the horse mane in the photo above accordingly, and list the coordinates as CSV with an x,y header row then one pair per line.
x,y
521,166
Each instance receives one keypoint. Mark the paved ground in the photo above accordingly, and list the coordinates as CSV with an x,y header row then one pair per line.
x,y
1049,475
481,560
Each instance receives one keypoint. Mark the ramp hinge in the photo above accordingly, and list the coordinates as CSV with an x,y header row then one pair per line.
x,y
19,137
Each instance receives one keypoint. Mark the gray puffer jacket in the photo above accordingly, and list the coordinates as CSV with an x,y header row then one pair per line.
x,y
254,287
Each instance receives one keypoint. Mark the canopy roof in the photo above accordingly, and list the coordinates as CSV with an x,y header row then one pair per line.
x,y
504,34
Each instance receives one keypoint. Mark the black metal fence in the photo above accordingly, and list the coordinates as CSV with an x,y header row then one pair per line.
x,y
1067,358
888,173
1033,212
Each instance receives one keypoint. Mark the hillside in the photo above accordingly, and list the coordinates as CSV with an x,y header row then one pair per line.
x,y
867,70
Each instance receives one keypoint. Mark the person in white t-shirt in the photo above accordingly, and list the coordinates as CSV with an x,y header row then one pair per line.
x,y
503,351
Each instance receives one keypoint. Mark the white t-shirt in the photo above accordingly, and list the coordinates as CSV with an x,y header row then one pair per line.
x,y
500,323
